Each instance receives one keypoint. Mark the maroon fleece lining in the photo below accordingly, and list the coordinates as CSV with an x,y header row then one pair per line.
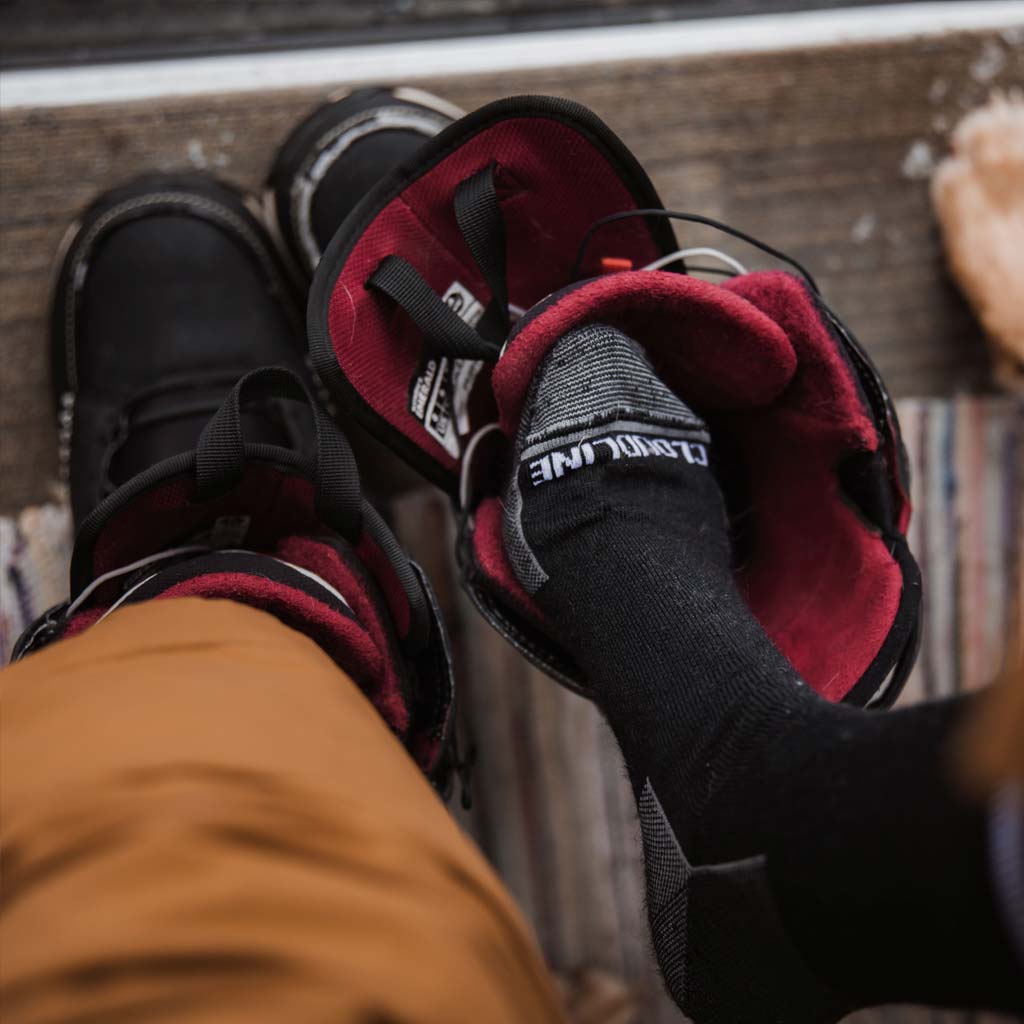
x,y
82,621
344,640
727,351
377,345
824,388
166,516
360,645
325,561
341,638
371,555
822,583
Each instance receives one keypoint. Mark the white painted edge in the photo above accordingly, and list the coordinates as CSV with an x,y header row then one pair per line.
x,y
403,62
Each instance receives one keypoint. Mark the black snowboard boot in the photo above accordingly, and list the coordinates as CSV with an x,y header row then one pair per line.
x,y
197,470
338,154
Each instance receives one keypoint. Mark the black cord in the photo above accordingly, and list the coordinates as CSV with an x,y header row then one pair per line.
x,y
717,271
694,218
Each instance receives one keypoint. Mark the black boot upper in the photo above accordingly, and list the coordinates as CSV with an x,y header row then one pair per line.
x,y
169,291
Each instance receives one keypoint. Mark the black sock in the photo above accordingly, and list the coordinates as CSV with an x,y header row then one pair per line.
x,y
802,858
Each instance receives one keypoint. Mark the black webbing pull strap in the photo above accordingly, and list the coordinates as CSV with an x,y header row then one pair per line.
x,y
221,458
440,324
482,224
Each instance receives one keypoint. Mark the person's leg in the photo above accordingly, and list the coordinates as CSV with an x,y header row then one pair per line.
x,y
204,819
803,858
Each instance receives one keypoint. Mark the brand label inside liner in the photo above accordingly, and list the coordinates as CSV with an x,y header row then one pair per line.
x,y
439,392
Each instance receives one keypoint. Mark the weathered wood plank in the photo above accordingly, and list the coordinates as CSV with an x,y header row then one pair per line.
x,y
823,152
61,31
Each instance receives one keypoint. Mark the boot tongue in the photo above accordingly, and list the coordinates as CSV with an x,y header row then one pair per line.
x,y
708,344
159,426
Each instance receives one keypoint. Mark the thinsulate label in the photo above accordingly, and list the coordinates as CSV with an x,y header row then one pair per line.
x,y
439,391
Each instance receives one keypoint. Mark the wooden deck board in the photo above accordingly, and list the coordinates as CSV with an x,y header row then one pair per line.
x,y
55,31
807,149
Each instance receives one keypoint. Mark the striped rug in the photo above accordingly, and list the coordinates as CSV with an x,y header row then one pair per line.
x,y
553,808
